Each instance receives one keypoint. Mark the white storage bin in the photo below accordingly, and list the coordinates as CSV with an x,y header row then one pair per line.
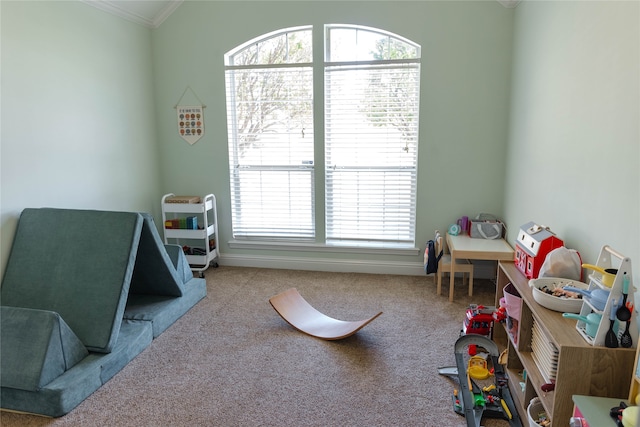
x,y
534,411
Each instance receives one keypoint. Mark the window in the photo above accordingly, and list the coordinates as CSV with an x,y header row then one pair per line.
x,y
371,81
270,122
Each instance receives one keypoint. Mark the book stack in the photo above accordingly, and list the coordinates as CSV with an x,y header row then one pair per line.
x,y
183,199
544,353
187,223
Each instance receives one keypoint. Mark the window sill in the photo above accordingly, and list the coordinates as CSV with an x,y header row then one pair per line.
x,y
318,247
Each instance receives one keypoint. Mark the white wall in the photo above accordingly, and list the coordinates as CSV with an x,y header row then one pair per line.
x,y
466,49
78,94
574,140
78,124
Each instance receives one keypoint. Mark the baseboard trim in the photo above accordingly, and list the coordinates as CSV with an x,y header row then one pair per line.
x,y
324,264
481,271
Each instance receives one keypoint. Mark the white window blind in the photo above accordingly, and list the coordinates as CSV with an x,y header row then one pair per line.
x,y
371,137
371,83
270,122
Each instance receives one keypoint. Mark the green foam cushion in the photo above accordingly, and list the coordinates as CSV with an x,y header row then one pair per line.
x,y
36,347
69,389
180,262
77,263
154,273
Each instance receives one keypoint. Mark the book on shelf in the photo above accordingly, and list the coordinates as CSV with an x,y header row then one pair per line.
x,y
187,223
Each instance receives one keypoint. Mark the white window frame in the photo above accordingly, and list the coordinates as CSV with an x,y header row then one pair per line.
x,y
370,170
372,243
272,196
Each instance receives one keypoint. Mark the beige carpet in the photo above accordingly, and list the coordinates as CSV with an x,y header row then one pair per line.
x,y
232,361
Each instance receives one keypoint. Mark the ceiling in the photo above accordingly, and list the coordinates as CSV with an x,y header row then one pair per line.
x,y
150,13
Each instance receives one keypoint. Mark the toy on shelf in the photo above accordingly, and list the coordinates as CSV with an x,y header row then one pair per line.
x,y
611,299
532,247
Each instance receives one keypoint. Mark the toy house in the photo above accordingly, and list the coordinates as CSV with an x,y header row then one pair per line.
x,y
532,246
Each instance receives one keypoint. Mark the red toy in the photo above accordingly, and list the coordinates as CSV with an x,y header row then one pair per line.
x,y
479,319
532,247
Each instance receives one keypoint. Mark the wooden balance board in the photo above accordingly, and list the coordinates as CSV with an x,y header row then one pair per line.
x,y
296,311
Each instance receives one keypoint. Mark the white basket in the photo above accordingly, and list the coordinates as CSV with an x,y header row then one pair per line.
x,y
534,409
552,302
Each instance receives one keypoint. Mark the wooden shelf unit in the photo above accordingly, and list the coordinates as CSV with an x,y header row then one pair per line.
x,y
634,390
581,368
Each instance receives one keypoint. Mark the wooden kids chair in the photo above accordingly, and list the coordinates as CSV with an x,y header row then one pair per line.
x,y
463,266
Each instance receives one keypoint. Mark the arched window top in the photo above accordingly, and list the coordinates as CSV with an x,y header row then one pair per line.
x,y
348,43
285,46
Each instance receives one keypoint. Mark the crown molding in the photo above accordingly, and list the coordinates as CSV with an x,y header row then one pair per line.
x,y
164,13
122,9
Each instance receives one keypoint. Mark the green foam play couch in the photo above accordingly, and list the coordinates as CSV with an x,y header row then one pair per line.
x,y
84,292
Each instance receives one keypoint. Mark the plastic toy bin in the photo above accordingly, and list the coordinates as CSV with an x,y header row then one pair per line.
x,y
513,301
537,414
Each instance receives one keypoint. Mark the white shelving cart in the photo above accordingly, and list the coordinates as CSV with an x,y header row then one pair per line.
x,y
192,222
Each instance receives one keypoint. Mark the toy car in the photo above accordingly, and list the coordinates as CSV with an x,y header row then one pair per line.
x,y
479,319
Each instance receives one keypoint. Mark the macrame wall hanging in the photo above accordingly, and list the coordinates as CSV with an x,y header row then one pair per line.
x,y
190,118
